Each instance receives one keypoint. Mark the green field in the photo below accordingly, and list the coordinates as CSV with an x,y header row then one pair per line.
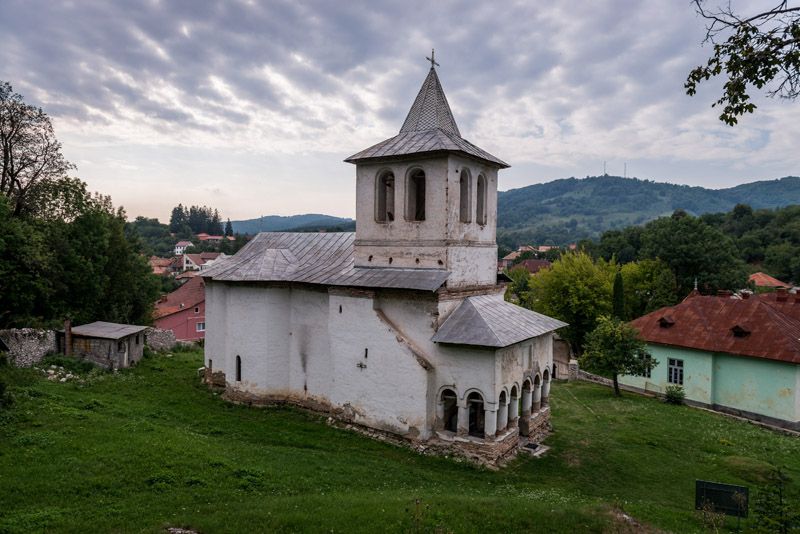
x,y
150,448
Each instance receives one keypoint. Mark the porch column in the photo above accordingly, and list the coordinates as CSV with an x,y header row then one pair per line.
x,y
502,417
537,399
463,419
490,423
545,393
527,401
513,410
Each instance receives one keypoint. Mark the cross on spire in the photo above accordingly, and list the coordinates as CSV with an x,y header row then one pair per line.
x,y
432,59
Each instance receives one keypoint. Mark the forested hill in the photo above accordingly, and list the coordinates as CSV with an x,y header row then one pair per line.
x,y
276,223
565,211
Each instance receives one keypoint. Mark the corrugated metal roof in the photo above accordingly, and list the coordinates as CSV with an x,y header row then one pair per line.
x,y
489,321
430,109
706,323
315,258
107,330
429,127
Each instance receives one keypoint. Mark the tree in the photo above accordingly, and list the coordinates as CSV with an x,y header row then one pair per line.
x,y
618,298
773,509
693,249
520,283
228,229
648,286
31,154
178,219
760,49
576,290
614,348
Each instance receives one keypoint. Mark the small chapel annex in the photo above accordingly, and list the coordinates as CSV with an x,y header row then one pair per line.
x,y
400,326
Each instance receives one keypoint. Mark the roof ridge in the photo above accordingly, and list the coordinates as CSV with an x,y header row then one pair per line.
x,y
486,323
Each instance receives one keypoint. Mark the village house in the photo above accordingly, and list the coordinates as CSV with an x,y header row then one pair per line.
x,y
181,246
400,326
196,262
765,281
735,355
202,236
160,266
109,345
183,311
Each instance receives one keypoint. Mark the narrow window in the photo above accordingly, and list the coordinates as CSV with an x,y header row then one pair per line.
x,y
450,409
210,364
120,346
415,208
200,327
197,309
675,372
137,339
384,203
465,208
238,368
476,415
481,214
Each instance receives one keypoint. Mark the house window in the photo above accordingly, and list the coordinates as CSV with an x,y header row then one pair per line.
x,y
200,327
197,309
481,215
415,195
675,371
465,206
384,201
137,339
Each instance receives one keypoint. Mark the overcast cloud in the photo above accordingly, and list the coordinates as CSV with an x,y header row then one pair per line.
x,y
252,106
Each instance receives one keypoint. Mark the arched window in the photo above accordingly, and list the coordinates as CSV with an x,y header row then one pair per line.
x,y
384,198
238,368
415,196
464,199
481,210
450,403
476,415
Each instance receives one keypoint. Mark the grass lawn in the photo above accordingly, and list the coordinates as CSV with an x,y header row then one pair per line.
x,y
150,448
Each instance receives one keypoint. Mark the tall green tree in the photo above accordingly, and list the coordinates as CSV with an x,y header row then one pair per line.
x,y
649,285
614,348
576,290
618,298
228,229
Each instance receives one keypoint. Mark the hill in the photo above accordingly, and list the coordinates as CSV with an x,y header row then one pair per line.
x,y
567,210
300,223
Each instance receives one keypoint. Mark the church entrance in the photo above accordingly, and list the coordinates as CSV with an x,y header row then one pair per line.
x,y
450,402
476,415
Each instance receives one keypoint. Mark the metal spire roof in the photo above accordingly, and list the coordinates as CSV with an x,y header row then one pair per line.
x,y
430,109
429,127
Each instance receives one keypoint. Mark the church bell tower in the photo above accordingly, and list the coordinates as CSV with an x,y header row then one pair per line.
x,y
427,198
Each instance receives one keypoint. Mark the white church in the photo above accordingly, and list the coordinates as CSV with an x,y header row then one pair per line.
x,y
400,326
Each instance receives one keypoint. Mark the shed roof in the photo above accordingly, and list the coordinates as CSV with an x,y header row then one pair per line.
x,y
106,330
707,323
315,258
429,128
490,321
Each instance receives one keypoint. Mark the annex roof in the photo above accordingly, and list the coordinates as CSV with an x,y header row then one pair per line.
x,y
106,330
489,321
429,127
315,258
764,280
189,295
749,327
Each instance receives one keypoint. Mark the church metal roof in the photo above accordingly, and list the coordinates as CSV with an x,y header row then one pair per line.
x,y
429,127
489,321
315,258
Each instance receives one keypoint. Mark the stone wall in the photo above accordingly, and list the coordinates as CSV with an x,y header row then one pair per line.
x,y
27,346
158,339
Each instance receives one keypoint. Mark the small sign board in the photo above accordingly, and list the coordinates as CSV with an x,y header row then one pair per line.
x,y
723,498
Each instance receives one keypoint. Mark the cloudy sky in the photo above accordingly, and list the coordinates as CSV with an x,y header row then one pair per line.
x,y
251,106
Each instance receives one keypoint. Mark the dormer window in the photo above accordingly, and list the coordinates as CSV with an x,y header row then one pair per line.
x,y
415,196
384,201
481,211
465,197
666,321
740,331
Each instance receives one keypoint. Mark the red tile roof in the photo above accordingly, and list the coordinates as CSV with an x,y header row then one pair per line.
x,y
534,266
188,295
203,257
749,327
764,280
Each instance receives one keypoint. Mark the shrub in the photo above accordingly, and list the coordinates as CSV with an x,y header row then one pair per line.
x,y
674,395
